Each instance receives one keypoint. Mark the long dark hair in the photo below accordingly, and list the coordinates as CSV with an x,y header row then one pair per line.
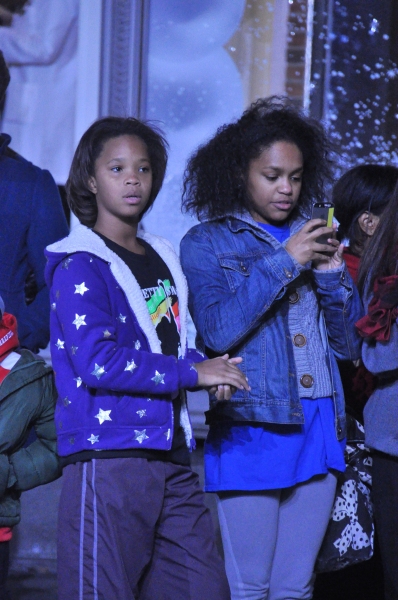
x,y
365,188
80,198
380,257
215,177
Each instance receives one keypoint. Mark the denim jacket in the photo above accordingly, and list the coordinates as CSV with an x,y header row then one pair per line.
x,y
240,279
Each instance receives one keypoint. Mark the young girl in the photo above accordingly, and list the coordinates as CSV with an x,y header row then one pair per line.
x,y
378,283
262,287
132,523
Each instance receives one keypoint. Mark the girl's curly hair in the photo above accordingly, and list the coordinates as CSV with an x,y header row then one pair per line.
x,y
216,175
81,199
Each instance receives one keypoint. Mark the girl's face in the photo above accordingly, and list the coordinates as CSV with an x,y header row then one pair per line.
x,y
274,182
122,179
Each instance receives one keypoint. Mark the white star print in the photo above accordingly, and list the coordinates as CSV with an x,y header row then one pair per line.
x,y
103,415
107,333
66,263
167,434
78,380
140,436
121,318
60,345
158,378
137,345
98,371
66,401
81,288
79,321
93,438
74,349
130,366
141,413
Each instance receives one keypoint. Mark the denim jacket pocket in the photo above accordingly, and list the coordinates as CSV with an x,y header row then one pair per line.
x,y
235,269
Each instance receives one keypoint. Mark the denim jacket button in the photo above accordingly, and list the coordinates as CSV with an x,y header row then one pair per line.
x,y
299,340
243,268
339,430
288,273
306,380
294,297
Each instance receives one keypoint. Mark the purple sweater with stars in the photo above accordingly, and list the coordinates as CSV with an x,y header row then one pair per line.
x,y
115,386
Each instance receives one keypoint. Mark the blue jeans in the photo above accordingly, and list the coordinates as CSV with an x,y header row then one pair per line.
x,y
271,538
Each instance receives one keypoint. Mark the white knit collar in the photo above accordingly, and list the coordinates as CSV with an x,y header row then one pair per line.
x,y
83,239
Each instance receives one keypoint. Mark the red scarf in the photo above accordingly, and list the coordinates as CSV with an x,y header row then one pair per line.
x,y
352,263
382,310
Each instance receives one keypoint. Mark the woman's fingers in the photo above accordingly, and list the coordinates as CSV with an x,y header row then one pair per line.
x,y
224,392
220,371
236,360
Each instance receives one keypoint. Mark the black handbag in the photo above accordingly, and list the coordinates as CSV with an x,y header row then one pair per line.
x,y
349,538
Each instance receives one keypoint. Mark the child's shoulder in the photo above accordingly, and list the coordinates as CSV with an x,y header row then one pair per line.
x,y
29,364
80,239
205,230
81,250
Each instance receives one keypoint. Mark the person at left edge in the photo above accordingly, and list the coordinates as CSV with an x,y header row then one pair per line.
x,y
31,218
27,402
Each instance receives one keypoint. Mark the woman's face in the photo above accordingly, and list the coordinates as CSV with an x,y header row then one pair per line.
x,y
274,182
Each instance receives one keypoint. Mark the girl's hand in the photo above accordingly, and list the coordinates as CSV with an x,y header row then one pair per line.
x,y
333,261
303,247
225,392
221,371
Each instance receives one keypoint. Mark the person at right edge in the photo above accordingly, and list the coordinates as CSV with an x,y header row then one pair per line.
x,y
360,196
378,284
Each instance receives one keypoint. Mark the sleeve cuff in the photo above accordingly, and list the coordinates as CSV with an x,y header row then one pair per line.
x,y
188,374
331,277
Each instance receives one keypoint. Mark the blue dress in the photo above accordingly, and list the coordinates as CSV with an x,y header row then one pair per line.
x,y
266,456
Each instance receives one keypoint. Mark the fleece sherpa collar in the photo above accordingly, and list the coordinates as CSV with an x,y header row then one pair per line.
x,y
83,239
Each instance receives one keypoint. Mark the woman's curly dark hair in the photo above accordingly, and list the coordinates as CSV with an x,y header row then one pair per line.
x,y
81,199
216,175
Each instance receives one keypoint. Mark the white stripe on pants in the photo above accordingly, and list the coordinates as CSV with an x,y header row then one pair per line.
x,y
271,538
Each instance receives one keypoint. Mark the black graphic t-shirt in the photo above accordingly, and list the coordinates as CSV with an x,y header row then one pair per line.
x,y
159,292
160,295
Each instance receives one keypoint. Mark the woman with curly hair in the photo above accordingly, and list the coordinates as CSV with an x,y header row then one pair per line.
x,y
262,286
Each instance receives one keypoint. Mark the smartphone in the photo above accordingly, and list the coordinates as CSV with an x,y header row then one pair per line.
x,y
325,211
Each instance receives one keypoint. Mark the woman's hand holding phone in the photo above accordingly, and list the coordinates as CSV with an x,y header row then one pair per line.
x,y
316,240
304,246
